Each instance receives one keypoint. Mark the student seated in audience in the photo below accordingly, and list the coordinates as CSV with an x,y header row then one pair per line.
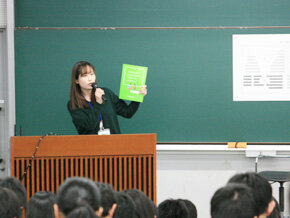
x,y
173,209
16,186
233,201
145,207
261,189
75,194
41,205
84,211
126,207
9,204
191,208
109,199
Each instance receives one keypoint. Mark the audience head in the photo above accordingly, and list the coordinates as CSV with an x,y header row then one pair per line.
x,y
41,205
173,209
84,211
16,186
126,207
144,206
191,208
77,192
261,189
9,204
235,201
109,199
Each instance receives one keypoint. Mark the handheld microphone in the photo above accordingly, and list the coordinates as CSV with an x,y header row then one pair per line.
x,y
95,86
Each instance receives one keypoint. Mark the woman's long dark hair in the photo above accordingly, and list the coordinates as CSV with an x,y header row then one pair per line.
x,y
76,98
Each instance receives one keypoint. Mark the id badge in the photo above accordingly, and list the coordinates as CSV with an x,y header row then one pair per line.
x,y
104,132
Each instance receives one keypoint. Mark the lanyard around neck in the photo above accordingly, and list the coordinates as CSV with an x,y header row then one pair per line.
x,y
101,117
89,103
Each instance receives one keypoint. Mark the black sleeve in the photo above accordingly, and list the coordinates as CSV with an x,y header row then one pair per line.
x,y
122,108
84,120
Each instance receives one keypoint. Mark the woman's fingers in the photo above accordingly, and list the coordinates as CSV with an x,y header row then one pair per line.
x,y
143,90
98,94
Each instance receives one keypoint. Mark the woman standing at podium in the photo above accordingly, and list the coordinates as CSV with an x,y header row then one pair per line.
x,y
94,109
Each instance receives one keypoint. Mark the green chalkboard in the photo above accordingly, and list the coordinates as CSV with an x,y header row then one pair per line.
x,y
189,71
107,13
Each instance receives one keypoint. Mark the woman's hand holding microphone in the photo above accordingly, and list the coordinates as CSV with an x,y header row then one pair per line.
x,y
99,95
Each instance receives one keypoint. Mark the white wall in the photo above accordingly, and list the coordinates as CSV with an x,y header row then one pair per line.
x,y
7,87
2,112
197,174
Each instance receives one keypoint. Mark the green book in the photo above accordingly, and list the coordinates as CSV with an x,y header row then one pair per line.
x,y
133,78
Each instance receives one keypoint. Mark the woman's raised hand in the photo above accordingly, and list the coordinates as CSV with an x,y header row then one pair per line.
x,y
98,94
143,90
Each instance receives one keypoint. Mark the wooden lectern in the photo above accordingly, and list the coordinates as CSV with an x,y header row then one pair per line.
x,y
124,161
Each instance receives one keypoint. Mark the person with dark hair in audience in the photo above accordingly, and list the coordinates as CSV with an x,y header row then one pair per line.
x,y
109,199
276,213
84,211
9,204
75,196
126,207
261,189
16,186
145,207
191,208
233,201
173,209
40,205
